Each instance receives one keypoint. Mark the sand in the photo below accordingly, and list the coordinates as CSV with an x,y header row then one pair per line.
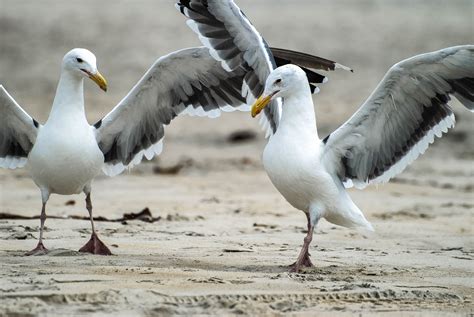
x,y
223,236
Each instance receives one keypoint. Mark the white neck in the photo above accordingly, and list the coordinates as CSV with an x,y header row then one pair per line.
x,y
69,98
298,114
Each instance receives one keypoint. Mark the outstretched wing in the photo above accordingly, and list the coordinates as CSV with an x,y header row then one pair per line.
x,y
189,82
18,132
231,38
402,116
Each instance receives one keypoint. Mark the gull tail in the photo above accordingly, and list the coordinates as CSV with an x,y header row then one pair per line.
x,y
348,214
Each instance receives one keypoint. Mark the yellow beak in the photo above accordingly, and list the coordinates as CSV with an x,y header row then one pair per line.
x,y
99,80
261,103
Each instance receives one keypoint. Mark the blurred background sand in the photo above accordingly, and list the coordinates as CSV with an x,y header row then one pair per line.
x,y
429,206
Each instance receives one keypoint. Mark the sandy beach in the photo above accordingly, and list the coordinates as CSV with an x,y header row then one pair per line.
x,y
217,237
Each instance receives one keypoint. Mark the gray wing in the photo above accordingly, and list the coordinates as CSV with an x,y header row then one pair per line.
x,y
18,132
189,82
231,38
402,116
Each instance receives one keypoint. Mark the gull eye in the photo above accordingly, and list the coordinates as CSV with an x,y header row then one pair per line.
x,y
79,60
278,81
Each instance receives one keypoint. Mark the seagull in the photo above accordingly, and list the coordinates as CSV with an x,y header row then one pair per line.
x,y
390,130
65,154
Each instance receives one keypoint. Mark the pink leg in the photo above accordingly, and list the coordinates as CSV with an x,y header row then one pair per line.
x,y
94,245
40,248
304,256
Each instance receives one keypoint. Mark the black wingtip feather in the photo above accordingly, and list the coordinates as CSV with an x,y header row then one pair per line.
x,y
313,77
313,88
98,124
307,60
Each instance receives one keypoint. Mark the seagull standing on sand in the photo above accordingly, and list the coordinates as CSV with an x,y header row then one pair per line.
x,y
66,153
389,131
392,128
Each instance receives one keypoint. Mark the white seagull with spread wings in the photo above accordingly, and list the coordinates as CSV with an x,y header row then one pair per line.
x,y
391,129
66,153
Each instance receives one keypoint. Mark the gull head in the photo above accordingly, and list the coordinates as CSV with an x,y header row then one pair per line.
x,y
82,62
282,82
